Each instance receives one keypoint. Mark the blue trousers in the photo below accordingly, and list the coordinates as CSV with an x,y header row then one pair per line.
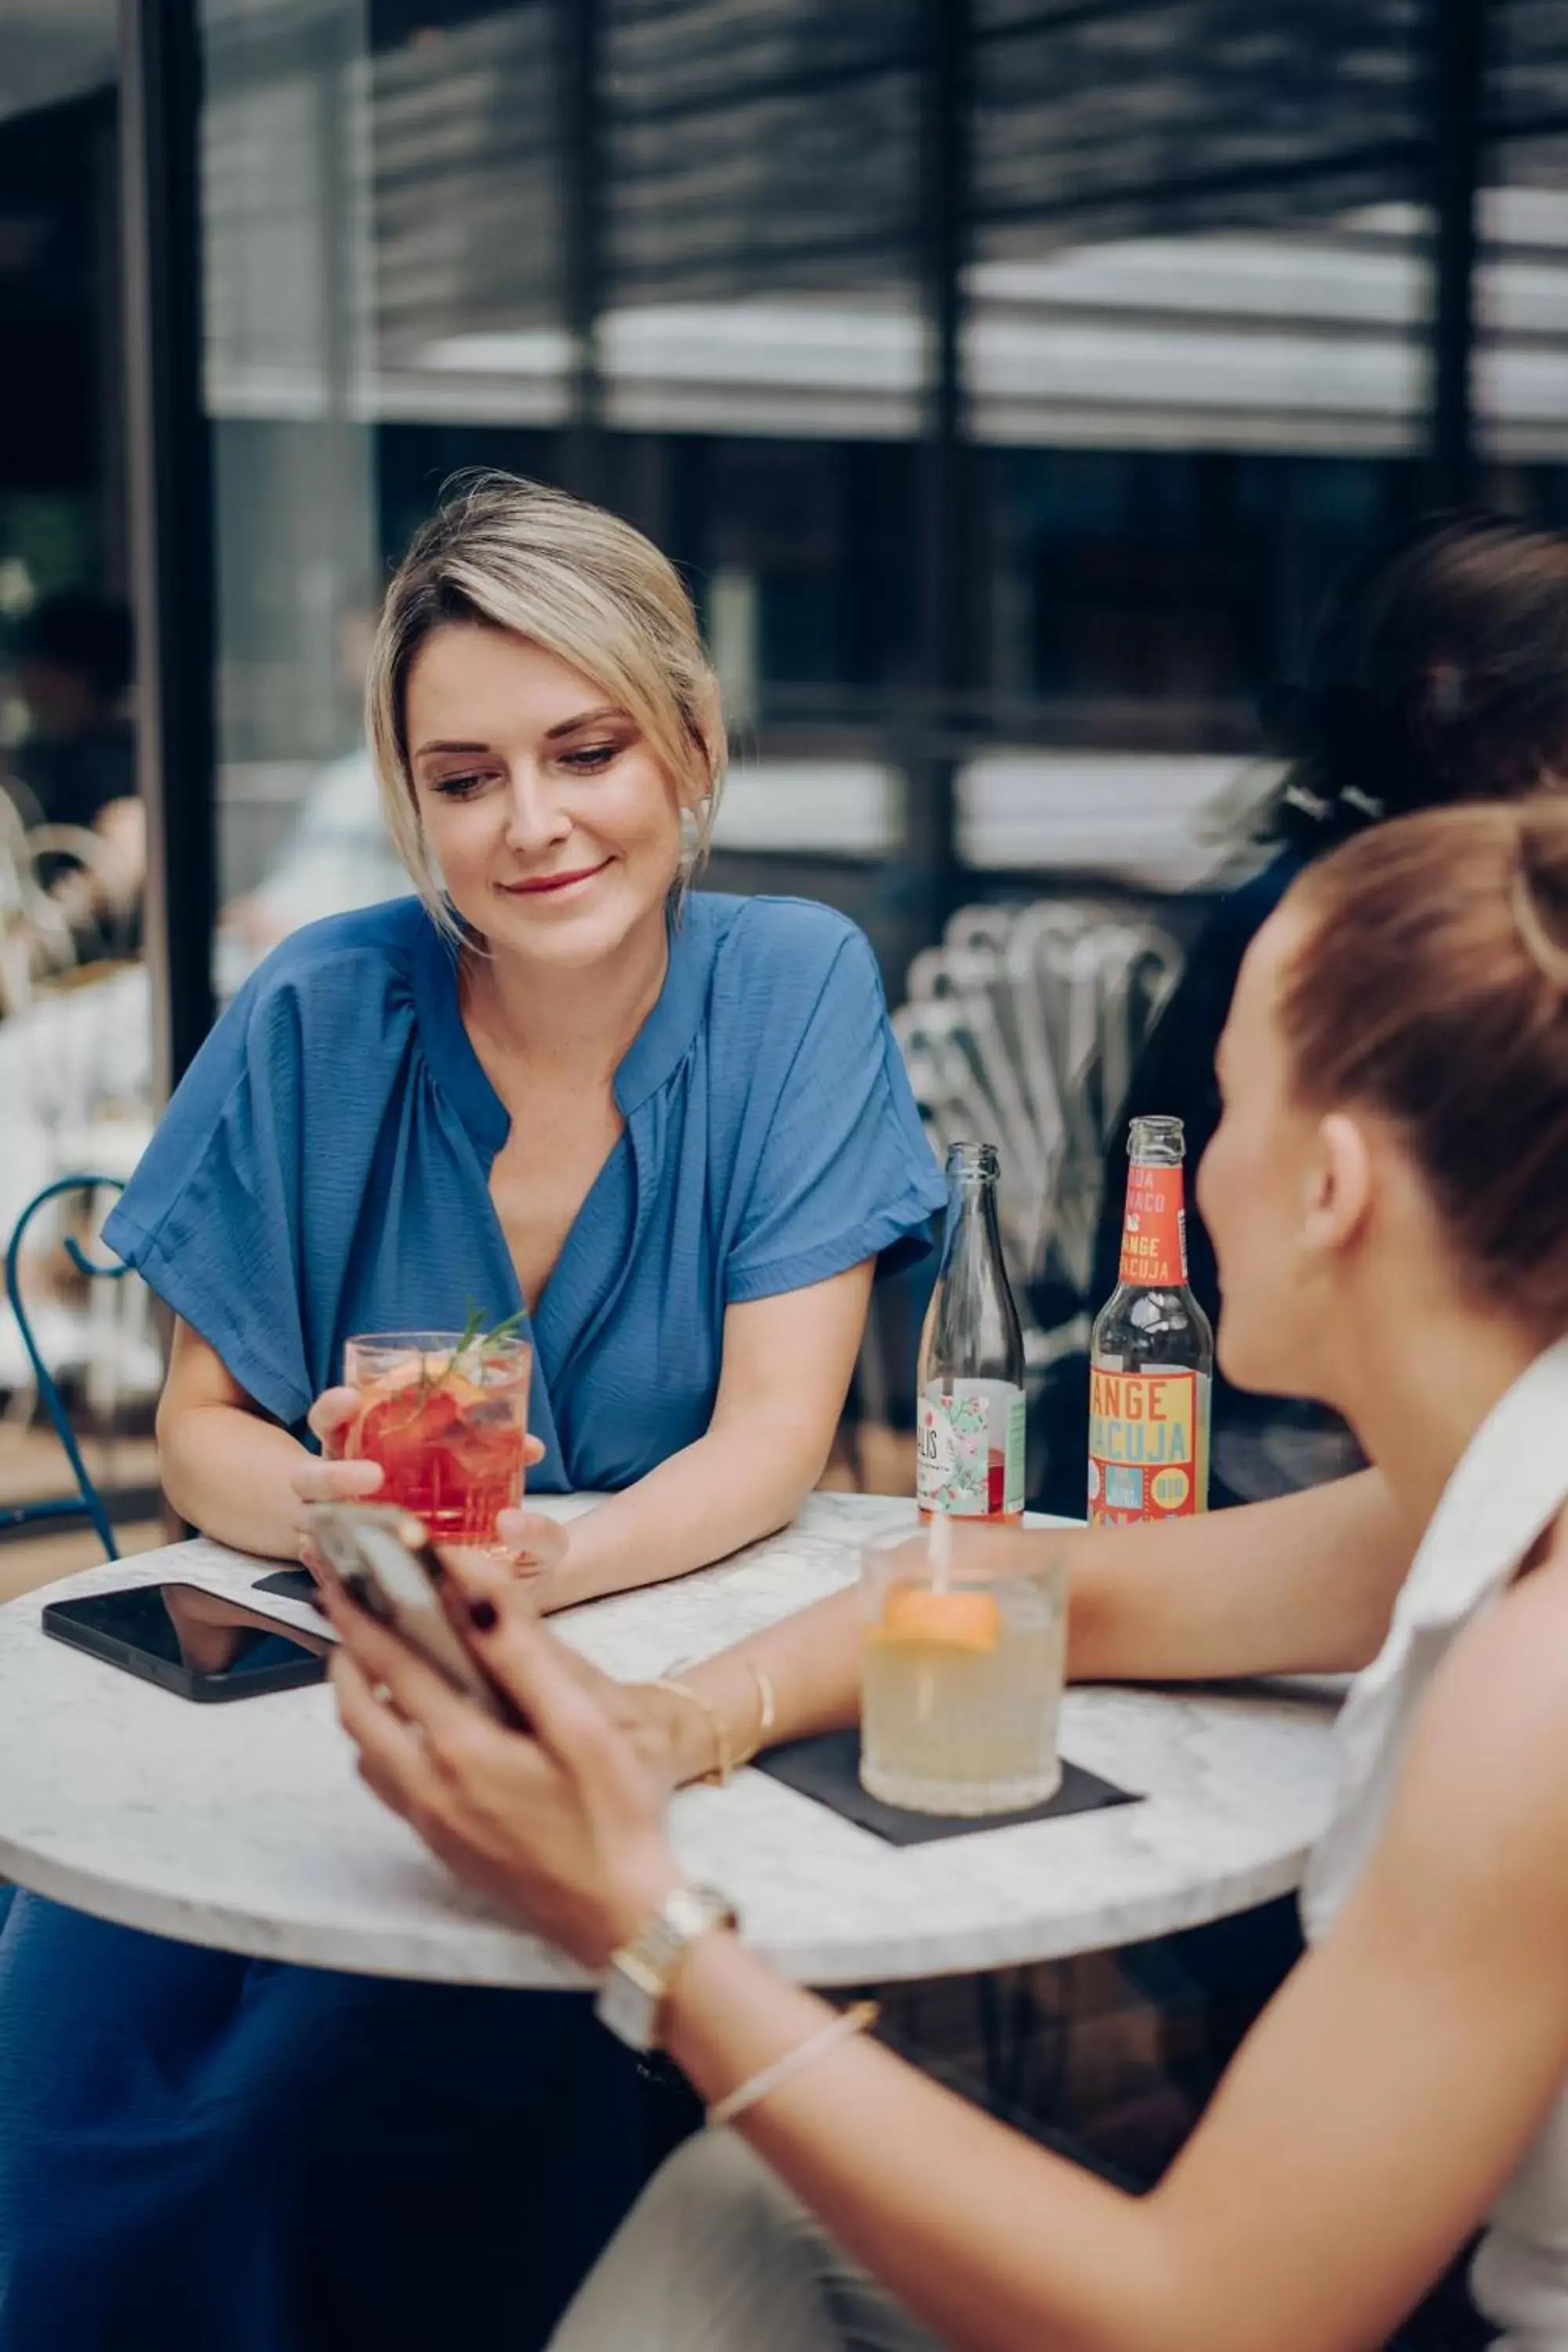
x,y
201,2153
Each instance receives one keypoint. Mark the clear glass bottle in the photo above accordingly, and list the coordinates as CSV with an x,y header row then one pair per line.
x,y
970,1408
1152,1354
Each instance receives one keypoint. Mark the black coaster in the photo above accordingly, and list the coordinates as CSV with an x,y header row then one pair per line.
x,y
292,1583
828,1769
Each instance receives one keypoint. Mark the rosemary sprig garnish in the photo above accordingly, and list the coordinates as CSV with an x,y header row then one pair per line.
x,y
479,1345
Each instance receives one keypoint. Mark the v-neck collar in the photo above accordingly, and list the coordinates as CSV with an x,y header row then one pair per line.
x,y
654,1055
661,1044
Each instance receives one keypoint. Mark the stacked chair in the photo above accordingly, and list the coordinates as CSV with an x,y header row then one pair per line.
x,y
1021,1029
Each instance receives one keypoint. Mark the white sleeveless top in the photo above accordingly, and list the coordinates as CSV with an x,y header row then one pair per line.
x,y
1510,1485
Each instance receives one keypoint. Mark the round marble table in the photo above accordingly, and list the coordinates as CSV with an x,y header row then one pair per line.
x,y
245,1826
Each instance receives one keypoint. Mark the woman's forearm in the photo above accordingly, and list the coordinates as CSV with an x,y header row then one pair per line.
x,y
1304,1584
228,1473
1300,1585
736,1485
993,2243
788,1361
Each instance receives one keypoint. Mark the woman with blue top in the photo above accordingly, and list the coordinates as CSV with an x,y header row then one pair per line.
x,y
672,1134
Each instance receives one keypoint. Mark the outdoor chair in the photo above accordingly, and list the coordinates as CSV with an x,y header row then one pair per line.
x,y
1021,1029
86,1503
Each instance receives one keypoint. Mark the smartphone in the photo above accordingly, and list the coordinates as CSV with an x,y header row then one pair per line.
x,y
386,1564
194,1642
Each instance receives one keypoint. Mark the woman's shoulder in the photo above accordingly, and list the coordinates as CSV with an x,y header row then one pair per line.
x,y
784,976
1240,913
794,943
385,935
1490,1743
355,960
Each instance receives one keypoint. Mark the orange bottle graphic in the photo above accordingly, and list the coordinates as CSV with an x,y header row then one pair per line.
x,y
1152,1355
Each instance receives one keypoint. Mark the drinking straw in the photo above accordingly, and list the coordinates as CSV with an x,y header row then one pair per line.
x,y
938,1557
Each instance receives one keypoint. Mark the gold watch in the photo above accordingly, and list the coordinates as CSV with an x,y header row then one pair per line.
x,y
632,1993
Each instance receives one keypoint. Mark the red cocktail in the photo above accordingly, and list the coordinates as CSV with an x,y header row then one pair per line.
x,y
445,1413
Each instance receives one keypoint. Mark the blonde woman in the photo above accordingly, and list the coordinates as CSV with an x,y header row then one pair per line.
x,y
674,1132
671,1132
1385,1195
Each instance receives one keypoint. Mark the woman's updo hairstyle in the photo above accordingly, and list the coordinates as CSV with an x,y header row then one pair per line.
x,y
587,587
1438,672
1432,987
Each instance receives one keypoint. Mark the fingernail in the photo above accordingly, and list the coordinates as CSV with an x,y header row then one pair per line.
x,y
482,1615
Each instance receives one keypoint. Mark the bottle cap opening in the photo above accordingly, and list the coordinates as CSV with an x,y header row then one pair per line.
x,y
972,1159
1157,1142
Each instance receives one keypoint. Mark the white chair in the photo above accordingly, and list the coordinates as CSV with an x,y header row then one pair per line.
x,y
76,1081
35,936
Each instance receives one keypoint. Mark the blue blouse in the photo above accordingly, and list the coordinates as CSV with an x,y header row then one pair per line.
x,y
323,1169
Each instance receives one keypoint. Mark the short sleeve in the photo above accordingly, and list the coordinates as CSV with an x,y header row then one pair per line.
x,y
844,1171
212,1218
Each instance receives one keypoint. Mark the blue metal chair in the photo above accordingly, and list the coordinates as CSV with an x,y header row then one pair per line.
x,y
86,1503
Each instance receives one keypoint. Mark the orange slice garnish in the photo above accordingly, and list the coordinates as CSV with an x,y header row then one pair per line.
x,y
953,1621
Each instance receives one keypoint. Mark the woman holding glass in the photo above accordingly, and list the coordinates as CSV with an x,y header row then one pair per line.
x,y
670,1136
1384,1193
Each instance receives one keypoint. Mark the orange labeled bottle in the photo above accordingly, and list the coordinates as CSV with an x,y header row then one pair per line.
x,y
970,1414
1152,1355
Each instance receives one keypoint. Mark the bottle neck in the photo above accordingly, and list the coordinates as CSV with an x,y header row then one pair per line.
x,y
971,1217
1154,1230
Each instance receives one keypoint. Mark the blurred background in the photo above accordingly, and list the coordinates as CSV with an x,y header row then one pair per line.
x,y
1008,377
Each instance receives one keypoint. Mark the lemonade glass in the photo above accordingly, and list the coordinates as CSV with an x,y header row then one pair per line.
x,y
962,1670
445,1413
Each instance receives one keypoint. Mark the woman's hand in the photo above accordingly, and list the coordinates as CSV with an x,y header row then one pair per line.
x,y
531,1543
563,1823
674,1741
326,1477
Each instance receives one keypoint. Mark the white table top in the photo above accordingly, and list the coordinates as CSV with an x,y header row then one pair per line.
x,y
246,1826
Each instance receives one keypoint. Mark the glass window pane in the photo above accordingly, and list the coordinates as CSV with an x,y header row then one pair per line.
x,y
75,1061
381,231
1521,375
1195,356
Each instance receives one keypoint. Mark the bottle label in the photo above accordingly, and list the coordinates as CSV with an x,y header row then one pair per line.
x,y
1148,1445
970,1450
1154,1237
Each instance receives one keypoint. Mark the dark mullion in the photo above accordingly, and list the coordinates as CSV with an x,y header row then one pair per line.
x,y
1458,33
944,573
168,471
583,164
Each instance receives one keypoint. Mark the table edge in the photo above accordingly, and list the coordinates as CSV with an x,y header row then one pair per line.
x,y
534,1967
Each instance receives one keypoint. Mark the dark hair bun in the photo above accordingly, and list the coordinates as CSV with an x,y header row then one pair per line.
x,y
1438,672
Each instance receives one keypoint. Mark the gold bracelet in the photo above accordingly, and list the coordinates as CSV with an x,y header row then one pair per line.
x,y
767,1711
756,2086
722,1766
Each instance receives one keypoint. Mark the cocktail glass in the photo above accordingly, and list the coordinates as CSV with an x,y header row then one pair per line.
x,y
962,1665
445,1413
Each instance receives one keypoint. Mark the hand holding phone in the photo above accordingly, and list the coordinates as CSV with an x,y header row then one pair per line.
x,y
387,1566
